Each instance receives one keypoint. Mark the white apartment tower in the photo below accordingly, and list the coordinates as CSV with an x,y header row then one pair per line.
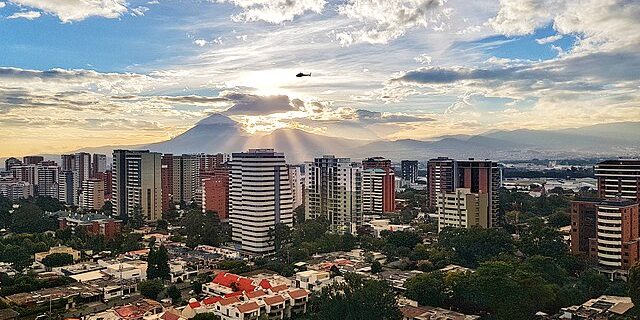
x,y
297,185
92,194
137,184
462,209
259,198
47,180
372,180
333,190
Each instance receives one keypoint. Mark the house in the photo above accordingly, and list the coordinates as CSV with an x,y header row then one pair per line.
x,y
428,313
59,249
603,307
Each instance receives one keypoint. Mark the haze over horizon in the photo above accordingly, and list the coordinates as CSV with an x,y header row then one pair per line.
x,y
77,74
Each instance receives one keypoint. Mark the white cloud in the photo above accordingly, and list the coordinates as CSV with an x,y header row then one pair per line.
x,y
2,4
385,20
423,59
29,15
274,11
77,10
200,42
549,39
139,11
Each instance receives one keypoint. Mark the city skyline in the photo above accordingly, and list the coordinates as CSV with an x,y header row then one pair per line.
x,y
84,74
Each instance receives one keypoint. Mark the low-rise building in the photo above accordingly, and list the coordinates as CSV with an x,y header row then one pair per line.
x,y
59,249
603,307
92,224
312,280
142,309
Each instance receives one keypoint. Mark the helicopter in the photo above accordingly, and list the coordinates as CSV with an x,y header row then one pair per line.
x,y
300,75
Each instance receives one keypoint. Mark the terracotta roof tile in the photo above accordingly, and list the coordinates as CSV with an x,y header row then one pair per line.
x,y
274,300
248,307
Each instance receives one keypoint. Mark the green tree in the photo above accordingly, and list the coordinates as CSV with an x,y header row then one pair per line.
x,y
174,294
151,288
376,266
29,218
356,299
205,316
634,284
162,225
57,260
474,245
201,228
136,220
427,288
559,219
158,264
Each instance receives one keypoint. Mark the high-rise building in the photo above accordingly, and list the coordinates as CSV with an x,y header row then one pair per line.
x,y
463,209
618,233
47,179
618,178
409,170
440,178
92,194
98,164
68,162
378,186
65,188
583,224
208,162
297,185
608,228
259,198
137,184
32,160
186,176
15,190
215,191
11,162
26,173
166,173
445,175
333,191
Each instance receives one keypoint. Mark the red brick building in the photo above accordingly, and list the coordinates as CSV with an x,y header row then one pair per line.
x,y
107,227
215,191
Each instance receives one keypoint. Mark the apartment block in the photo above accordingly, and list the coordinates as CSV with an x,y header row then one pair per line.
x,y
333,189
259,198
463,209
137,184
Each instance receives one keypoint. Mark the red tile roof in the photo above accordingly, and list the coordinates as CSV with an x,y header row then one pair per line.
x,y
228,279
255,294
170,316
297,294
265,284
233,294
194,304
211,300
279,288
248,307
228,301
274,300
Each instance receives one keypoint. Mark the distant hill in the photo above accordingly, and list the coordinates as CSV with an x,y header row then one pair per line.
x,y
219,133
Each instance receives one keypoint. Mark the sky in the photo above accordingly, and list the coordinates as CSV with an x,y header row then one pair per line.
x,y
86,73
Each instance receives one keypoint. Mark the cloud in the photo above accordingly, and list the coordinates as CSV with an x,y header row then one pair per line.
x,y
200,42
549,39
371,117
2,4
274,11
385,20
78,10
55,79
254,105
423,59
29,15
